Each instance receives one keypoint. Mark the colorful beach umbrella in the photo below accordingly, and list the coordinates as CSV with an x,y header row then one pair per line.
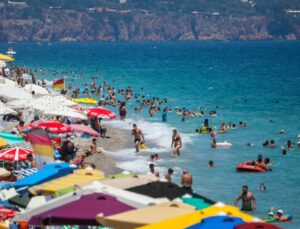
x,y
14,154
66,184
100,112
198,203
84,129
82,211
145,216
20,200
130,182
160,189
257,226
187,220
3,142
11,138
6,57
49,172
216,222
54,127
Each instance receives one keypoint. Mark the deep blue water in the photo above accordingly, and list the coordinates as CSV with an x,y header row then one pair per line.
x,y
194,75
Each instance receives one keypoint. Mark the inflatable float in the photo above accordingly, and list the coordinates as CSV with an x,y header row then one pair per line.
x,y
223,144
285,218
85,100
249,166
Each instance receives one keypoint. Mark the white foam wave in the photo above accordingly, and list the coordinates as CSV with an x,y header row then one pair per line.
x,y
158,133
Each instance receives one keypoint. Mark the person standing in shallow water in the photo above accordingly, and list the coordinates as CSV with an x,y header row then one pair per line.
x,y
138,137
176,143
247,199
122,110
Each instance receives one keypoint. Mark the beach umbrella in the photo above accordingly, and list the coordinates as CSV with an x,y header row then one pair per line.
x,y
198,203
216,222
160,189
144,216
256,225
67,184
49,172
84,129
66,113
14,154
7,194
38,90
6,57
3,142
6,110
11,138
130,182
100,112
133,199
14,92
187,220
18,103
6,214
54,127
20,200
82,211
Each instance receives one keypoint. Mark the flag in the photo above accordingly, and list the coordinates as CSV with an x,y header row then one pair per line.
x,y
59,84
42,146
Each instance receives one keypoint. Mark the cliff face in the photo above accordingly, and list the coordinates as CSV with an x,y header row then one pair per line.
x,y
69,25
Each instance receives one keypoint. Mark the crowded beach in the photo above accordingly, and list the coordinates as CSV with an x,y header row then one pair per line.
x,y
55,169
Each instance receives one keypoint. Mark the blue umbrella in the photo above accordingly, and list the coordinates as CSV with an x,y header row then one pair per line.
x,y
49,172
216,222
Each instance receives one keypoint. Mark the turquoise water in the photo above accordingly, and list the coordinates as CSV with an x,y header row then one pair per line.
x,y
195,75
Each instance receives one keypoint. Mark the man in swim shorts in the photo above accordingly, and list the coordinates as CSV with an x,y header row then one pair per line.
x,y
247,199
138,137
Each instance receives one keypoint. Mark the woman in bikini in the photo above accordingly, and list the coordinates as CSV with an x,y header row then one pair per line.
x,y
176,143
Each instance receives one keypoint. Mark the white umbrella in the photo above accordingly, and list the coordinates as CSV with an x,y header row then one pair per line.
x,y
66,113
7,82
6,110
38,90
17,104
14,92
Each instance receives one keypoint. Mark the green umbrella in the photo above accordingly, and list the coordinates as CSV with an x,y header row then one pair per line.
x,y
198,203
20,200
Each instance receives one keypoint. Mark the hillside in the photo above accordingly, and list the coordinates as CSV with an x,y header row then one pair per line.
x,y
149,20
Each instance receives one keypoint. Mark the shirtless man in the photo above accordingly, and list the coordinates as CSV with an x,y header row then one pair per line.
x,y
176,143
187,180
138,135
247,199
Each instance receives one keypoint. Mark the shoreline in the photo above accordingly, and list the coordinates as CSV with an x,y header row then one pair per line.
x,y
118,140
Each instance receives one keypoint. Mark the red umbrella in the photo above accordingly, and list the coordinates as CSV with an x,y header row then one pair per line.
x,y
84,129
54,127
100,112
14,154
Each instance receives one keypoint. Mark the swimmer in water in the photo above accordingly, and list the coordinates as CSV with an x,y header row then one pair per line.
x,y
262,187
211,164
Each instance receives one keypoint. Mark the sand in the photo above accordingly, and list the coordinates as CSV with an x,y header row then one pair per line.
x,y
119,139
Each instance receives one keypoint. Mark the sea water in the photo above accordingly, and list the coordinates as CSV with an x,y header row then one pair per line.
x,y
254,82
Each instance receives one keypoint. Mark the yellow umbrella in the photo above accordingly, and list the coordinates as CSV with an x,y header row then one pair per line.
x,y
3,142
190,219
144,216
6,57
67,184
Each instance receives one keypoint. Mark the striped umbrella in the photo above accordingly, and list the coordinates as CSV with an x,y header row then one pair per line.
x,y
14,154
